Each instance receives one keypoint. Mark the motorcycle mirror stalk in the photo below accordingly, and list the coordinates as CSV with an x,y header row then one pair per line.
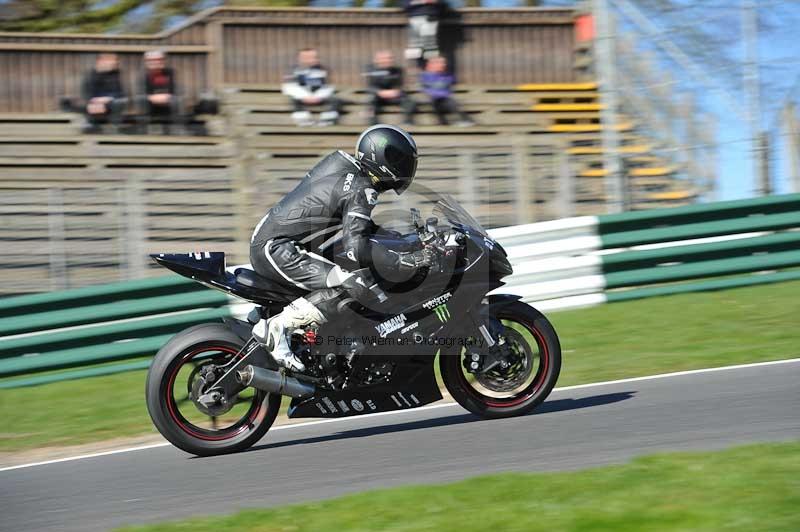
x,y
415,218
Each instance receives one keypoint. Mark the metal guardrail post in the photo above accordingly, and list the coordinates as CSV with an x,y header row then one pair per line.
x,y
607,84
523,203
791,127
566,184
56,233
134,234
467,183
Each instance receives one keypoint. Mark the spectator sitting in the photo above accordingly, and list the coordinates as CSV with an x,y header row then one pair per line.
x,y
423,29
308,87
437,83
160,99
103,94
385,85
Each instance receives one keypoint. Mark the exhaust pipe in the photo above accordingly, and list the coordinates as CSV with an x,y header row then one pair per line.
x,y
273,382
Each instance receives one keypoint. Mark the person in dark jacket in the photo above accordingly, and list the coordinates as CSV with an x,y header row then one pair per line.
x,y
385,86
308,86
423,28
437,83
103,93
339,193
159,98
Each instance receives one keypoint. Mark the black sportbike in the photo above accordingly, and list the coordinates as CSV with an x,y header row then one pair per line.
x,y
213,389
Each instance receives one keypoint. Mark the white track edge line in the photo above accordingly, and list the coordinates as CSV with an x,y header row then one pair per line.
x,y
411,410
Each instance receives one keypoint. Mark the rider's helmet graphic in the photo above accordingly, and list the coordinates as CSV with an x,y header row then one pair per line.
x,y
389,155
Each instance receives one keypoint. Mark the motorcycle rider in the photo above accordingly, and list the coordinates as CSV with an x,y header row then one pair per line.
x,y
340,192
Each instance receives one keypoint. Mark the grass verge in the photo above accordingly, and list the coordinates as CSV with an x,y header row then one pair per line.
x,y
750,488
613,341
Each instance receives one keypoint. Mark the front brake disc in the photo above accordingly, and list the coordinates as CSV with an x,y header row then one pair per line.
x,y
517,371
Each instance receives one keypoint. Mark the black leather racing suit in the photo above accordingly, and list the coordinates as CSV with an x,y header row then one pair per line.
x,y
334,195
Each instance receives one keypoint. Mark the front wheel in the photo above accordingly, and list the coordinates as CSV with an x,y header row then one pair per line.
x,y
176,379
525,374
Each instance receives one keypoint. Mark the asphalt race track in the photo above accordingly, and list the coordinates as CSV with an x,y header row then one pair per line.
x,y
576,427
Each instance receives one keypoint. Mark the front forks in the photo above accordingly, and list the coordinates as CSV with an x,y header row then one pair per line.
x,y
492,353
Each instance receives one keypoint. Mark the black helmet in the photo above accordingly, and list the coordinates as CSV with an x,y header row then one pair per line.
x,y
389,155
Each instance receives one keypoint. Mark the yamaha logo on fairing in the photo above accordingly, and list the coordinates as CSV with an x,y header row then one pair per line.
x,y
436,301
391,325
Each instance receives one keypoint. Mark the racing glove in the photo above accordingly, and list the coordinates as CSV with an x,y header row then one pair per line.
x,y
425,257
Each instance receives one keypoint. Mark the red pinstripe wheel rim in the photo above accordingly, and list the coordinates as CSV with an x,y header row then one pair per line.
x,y
247,422
531,389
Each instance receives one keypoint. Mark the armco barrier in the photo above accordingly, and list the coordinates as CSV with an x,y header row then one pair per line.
x,y
58,336
559,264
657,252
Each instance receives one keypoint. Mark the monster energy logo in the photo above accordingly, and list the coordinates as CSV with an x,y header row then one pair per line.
x,y
442,312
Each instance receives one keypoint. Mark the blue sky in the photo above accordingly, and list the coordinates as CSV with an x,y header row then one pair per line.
x,y
779,72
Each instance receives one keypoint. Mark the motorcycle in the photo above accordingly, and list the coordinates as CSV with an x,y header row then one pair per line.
x,y
213,389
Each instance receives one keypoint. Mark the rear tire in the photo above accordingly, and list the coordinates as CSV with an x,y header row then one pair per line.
x,y
164,410
548,369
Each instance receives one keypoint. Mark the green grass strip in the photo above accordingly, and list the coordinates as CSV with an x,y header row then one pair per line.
x,y
754,488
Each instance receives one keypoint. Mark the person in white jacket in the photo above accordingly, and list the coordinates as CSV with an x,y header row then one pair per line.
x,y
308,86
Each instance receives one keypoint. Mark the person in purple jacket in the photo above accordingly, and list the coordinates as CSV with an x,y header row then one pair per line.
x,y
437,83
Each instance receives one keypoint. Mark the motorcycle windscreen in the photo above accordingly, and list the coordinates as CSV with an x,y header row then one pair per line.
x,y
447,208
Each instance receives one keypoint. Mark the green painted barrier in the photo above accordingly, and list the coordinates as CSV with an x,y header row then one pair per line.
x,y
738,247
703,286
82,356
721,210
108,369
767,222
111,311
99,324
107,332
168,284
698,270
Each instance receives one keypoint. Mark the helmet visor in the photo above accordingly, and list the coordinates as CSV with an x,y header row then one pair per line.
x,y
407,180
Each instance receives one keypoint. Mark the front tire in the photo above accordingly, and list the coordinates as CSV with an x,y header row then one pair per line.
x,y
182,423
543,351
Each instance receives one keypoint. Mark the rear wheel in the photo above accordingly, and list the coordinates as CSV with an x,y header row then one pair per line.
x,y
174,383
531,363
